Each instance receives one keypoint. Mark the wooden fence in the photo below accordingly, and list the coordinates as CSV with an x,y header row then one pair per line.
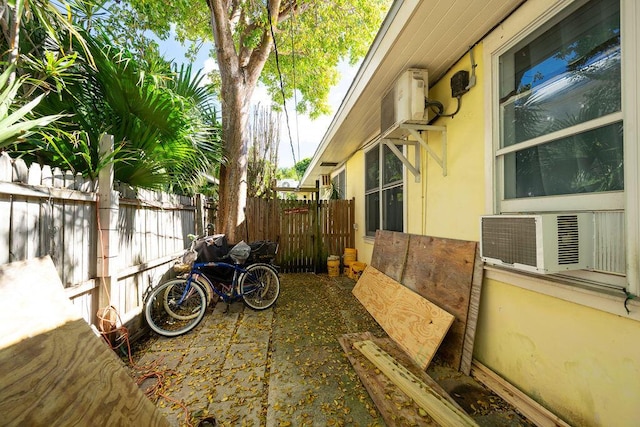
x,y
45,211
308,231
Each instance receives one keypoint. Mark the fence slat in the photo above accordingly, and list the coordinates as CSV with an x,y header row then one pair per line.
x,y
47,211
307,231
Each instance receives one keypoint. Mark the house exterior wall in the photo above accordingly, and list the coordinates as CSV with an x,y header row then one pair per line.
x,y
580,362
355,190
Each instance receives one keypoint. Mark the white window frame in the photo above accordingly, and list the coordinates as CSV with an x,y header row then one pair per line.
x,y
380,189
336,173
530,16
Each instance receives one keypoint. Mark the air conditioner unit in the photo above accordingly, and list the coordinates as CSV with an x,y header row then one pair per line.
x,y
545,243
405,99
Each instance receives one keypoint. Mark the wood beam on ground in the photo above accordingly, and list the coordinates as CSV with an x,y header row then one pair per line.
x,y
396,407
439,408
531,409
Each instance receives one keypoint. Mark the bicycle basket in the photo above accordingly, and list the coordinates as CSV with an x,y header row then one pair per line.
x,y
263,251
184,264
212,248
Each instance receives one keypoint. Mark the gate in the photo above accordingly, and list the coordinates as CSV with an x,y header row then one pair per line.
x,y
307,231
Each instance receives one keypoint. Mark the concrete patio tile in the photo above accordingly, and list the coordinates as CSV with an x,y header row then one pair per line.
x,y
247,412
247,355
279,367
241,383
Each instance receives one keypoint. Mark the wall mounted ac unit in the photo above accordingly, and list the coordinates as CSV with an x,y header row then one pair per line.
x,y
405,99
545,243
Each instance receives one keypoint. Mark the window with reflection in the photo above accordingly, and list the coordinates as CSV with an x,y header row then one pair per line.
x,y
560,107
384,191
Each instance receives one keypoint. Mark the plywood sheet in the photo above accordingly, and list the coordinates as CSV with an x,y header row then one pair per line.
x,y
395,407
32,300
390,253
55,370
441,270
416,324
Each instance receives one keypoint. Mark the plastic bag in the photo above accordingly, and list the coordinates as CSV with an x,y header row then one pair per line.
x,y
240,252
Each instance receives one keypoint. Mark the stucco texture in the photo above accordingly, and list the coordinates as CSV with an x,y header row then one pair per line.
x,y
580,363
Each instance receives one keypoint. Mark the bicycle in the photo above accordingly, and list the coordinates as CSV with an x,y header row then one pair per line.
x,y
176,307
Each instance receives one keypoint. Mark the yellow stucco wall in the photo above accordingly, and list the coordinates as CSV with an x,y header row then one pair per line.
x,y
454,202
355,189
581,363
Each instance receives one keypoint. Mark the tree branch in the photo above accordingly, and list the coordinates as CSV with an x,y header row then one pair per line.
x,y
260,54
223,38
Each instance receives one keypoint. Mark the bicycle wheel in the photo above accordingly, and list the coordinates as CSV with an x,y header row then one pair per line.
x,y
260,286
173,292
167,316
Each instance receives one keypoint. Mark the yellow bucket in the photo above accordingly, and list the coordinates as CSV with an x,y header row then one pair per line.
x,y
333,265
350,255
356,269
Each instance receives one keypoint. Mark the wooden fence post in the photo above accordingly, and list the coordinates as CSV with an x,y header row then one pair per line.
x,y
108,237
200,226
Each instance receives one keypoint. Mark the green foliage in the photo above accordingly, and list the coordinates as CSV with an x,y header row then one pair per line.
x,y
296,171
163,120
312,37
301,166
14,125
312,43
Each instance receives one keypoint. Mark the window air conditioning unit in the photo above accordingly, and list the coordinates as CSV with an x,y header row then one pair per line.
x,y
545,243
405,100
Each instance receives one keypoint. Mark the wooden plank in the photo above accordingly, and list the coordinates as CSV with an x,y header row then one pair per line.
x,y
441,271
55,370
395,406
439,408
25,190
5,228
416,324
531,409
390,253
19,228
472,316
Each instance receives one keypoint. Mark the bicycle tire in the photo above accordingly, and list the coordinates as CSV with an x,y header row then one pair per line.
x,y
173,292
260,286
168,318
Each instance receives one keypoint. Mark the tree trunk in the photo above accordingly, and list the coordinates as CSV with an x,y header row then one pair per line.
x,y
232,191
239,73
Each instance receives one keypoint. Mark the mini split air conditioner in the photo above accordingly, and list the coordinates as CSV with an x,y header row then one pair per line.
x,y
405,99
545,243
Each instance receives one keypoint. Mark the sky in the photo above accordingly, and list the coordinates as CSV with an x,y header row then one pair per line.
x,y
306,134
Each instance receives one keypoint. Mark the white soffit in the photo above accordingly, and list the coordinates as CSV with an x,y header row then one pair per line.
x,y
431,34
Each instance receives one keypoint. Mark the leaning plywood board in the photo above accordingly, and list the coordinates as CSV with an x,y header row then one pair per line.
x,y
441,271
417,325
32,300
55,370
437,406
390,253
